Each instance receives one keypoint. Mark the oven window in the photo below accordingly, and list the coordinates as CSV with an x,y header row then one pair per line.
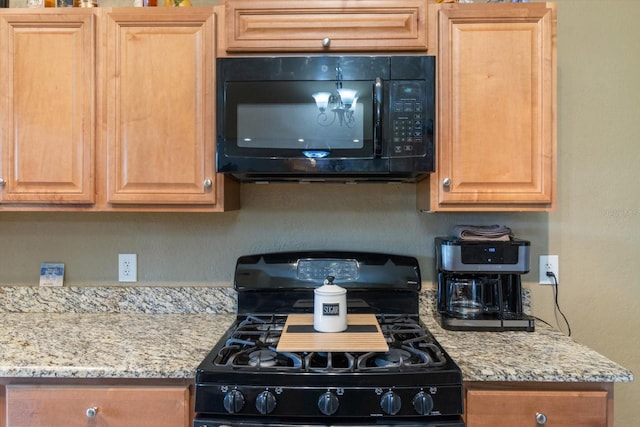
x,y
297,126
314,117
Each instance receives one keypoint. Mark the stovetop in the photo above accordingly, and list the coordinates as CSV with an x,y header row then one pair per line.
x,y
245,376
252,341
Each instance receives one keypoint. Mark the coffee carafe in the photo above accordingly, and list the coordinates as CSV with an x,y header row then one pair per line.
x,y
479,284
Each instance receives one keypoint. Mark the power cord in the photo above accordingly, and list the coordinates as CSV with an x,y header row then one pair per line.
x,y
555,295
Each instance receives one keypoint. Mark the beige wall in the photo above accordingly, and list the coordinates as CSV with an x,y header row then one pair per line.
x,y
595,230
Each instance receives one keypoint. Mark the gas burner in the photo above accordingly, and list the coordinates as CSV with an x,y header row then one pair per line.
x,y
254,358
394,357
263,358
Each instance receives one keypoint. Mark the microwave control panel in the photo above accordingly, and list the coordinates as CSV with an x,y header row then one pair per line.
x,y
407,117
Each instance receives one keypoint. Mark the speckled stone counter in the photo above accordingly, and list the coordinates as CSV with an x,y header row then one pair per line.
x,y
545,355
116,299
166,332
98,345
110,332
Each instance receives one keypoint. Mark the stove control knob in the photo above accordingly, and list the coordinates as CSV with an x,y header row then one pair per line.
x,y
233,401
390,403
328,403
422,403
266,402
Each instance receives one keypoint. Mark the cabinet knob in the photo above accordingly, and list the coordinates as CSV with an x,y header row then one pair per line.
x,y
541,418
326,42
2,181
208,182
446,182
92,412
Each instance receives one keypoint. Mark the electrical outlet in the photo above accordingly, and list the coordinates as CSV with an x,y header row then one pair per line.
x,y
549,263
127,267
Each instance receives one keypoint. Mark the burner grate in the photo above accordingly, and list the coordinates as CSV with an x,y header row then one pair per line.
x,y
252,346
330,362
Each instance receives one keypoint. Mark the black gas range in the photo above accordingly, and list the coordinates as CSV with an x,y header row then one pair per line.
x,y
246,381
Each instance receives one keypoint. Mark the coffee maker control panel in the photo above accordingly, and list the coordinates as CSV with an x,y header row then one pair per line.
x,y
457,255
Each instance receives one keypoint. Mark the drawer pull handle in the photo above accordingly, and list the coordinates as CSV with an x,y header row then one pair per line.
x,y
541,418
92,412
326,42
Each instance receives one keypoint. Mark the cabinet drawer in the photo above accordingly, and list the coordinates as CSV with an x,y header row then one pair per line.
x,y
498,408
314,26
70,406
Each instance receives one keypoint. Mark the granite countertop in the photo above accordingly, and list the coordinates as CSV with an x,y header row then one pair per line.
x,y
110,332
167,332
546,355
99,345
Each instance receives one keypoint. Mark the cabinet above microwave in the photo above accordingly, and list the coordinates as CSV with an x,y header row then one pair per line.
x,y
326,26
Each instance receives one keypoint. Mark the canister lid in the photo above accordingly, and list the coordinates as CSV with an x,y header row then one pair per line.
x,y
329,288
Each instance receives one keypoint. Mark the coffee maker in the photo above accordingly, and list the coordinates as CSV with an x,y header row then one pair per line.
x,y
479,285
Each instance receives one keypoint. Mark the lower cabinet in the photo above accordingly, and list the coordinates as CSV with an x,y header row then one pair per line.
x,y
541,405
97,406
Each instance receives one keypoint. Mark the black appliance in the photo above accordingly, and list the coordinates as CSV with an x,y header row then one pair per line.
x,y
479,284
326,118
245,381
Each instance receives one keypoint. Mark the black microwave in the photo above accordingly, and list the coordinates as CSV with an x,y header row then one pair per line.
x,y
326,118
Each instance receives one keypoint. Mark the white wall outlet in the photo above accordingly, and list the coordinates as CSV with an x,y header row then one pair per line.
x,y
127,268
549,263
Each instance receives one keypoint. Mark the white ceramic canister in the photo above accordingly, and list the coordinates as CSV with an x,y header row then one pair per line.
x,y
329,307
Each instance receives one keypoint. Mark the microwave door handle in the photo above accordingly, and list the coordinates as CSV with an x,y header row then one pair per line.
x,y
377,107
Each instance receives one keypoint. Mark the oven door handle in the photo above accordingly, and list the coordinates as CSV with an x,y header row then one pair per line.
x,y
377,111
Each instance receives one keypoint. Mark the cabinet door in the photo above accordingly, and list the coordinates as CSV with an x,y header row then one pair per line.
x,y
496,108
47,123
327,25
159,106
71,406
497,408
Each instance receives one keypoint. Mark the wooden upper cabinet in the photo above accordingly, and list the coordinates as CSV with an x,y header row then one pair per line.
x,y
160,138
326,25
47,107
496,131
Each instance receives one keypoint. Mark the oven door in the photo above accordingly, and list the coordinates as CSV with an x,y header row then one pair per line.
x,y
298,119
453,421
